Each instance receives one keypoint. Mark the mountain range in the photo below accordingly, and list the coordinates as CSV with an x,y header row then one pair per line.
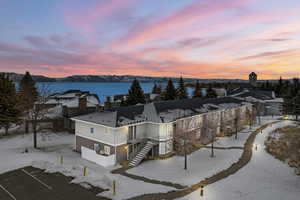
x,y
112,78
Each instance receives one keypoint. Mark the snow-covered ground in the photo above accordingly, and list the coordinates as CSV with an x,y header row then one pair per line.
x,y
263,178
52,146
264,173
14,127
243,135
200,164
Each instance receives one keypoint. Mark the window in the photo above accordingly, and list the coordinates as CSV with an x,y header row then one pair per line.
x,y
132,132
106,150
92,130
97,148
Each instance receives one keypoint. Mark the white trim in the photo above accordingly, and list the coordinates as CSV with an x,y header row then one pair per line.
x,y
160,139
133,124
97,140
10,194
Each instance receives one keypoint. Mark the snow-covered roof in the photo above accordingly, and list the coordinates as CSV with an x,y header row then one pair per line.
x,y
71,98
162,112
276,100
252,95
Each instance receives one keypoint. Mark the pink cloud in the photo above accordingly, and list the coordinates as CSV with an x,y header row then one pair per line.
x,y
197,12
86,19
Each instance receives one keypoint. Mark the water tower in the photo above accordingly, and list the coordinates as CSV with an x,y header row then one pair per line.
x,y
253,78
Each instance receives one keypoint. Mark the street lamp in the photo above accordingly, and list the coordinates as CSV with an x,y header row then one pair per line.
x,y
236,127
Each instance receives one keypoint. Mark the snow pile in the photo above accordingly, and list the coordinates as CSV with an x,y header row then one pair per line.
x,y
103,180
12,128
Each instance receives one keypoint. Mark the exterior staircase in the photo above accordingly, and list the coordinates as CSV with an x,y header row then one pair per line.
x,y
142,154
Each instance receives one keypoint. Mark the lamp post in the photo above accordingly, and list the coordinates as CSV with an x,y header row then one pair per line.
x,y
212,148
236,126
259,116
185,153
212,144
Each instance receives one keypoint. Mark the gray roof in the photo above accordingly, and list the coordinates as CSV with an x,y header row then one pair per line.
x,y
192,104
163,111
251,92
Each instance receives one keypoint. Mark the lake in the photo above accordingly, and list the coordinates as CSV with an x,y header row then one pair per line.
x,y
101,89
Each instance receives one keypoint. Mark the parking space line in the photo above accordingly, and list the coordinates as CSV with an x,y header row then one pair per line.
x,y
41,182
5,190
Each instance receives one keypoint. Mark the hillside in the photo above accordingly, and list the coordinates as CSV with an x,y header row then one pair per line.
x,y
112,78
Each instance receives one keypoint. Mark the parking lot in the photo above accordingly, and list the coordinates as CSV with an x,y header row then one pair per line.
x,y
34,184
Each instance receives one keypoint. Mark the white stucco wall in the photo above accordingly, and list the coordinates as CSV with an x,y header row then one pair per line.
x,y
102,134
92,156
152,131
165,131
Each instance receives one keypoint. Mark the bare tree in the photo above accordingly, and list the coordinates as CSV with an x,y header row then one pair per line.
x,y
237,121
211,129
251,115
185,136
38,112
259,108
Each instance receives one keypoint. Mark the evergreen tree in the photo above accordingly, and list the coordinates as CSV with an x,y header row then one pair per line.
x,y
181,90
156,89
296,105
28,92
287,90
279,88
211,93
197,91
280,82
295,86
9,112
170,92
29,96
268,87
135,94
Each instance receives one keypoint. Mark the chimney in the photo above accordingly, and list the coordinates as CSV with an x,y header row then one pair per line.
x,y
82,104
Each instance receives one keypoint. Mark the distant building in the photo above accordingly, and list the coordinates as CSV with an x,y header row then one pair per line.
x,y
70,104
268,103
116,100
253,79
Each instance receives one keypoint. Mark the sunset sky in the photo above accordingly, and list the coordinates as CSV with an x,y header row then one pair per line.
x,y
192,38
